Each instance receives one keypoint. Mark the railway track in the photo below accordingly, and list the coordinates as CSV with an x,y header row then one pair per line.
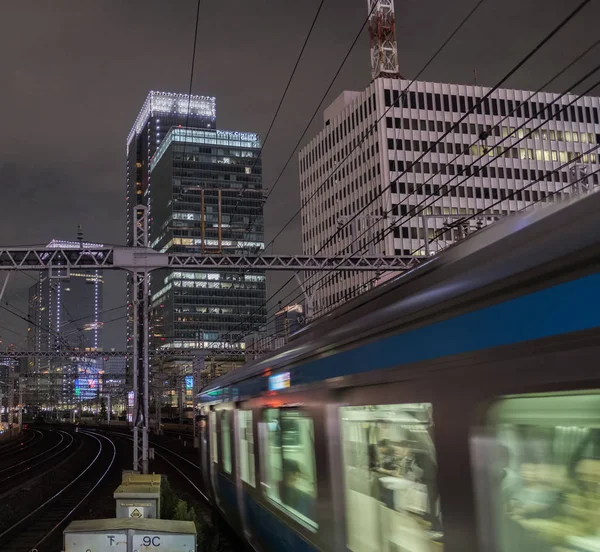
x,y
16,444
16,448
39,464
41,529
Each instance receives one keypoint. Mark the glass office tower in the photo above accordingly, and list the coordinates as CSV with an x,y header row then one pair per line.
x,y
206,197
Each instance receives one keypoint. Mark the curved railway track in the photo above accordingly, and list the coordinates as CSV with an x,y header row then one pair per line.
x,y
27,437
40,529
15,448
38,464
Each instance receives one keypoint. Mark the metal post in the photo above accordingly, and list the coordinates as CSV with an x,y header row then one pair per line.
x,y
146,375
108,411
181,398
141,367
20,418
11,392
4,285
426,232
198,367
135,363
159,409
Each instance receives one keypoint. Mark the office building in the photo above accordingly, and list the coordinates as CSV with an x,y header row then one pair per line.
x,y
388,161
206,198
160,112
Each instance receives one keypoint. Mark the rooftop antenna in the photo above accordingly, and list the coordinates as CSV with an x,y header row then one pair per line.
x,y
475,76
80,235
382,35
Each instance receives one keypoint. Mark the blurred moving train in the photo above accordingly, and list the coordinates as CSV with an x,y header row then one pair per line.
x,y
455,407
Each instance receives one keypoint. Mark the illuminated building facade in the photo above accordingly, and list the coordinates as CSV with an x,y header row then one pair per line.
x,y
206,198
160,112
65,315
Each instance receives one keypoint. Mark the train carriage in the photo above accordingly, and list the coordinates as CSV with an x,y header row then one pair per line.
x,y
455,407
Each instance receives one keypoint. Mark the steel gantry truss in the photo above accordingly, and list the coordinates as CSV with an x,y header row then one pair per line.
x,y
140,260
162,354
61,261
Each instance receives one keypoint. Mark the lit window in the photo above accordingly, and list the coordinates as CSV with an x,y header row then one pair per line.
x,y
226,440
213,437
390,478
536,469
246,447
289,475
248,170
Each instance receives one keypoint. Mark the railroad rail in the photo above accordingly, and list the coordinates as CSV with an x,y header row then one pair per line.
x,y
36,530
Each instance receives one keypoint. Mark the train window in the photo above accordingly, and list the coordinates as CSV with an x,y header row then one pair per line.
x,y
213,437
536,469
246,447
390,478
226,440
289,476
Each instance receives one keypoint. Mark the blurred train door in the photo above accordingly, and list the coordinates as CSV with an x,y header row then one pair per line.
x,y
389,469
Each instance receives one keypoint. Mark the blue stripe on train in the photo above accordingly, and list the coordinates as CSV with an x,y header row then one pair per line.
x,y
565,308
272,534
561,309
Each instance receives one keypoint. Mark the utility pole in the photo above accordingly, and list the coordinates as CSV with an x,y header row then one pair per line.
x,y
197,368
20,418
141,371
578,179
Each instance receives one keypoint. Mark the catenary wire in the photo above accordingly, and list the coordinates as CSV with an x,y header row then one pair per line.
x,y
432,58
373,127
283,96
524,60
410,214
390,229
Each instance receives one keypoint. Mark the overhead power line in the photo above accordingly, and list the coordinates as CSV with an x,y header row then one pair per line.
x,y
475,106
438,51
413,212
281,100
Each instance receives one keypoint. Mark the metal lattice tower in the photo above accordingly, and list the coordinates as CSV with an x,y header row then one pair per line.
x,y
382,34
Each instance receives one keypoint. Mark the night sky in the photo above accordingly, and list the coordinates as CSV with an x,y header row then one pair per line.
x,y
75,74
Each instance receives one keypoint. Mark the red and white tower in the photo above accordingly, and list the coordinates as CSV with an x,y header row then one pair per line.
x,y
382,33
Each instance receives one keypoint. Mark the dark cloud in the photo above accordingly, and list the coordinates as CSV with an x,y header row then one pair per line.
x,y
74,75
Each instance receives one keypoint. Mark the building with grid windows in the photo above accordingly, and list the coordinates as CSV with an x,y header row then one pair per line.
x,y
496,159
206,198
160,112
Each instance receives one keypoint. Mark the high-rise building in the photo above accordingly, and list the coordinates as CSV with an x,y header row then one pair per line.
x,y
160,112
65,315
390,154
206,198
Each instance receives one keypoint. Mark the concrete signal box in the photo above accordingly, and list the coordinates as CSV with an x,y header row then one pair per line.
x,y
129,535
138,496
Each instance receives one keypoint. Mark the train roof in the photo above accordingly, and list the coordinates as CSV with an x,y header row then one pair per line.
x,y
511,246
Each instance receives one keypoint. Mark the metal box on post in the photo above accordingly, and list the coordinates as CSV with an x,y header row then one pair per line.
x,y
138,496
128,535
